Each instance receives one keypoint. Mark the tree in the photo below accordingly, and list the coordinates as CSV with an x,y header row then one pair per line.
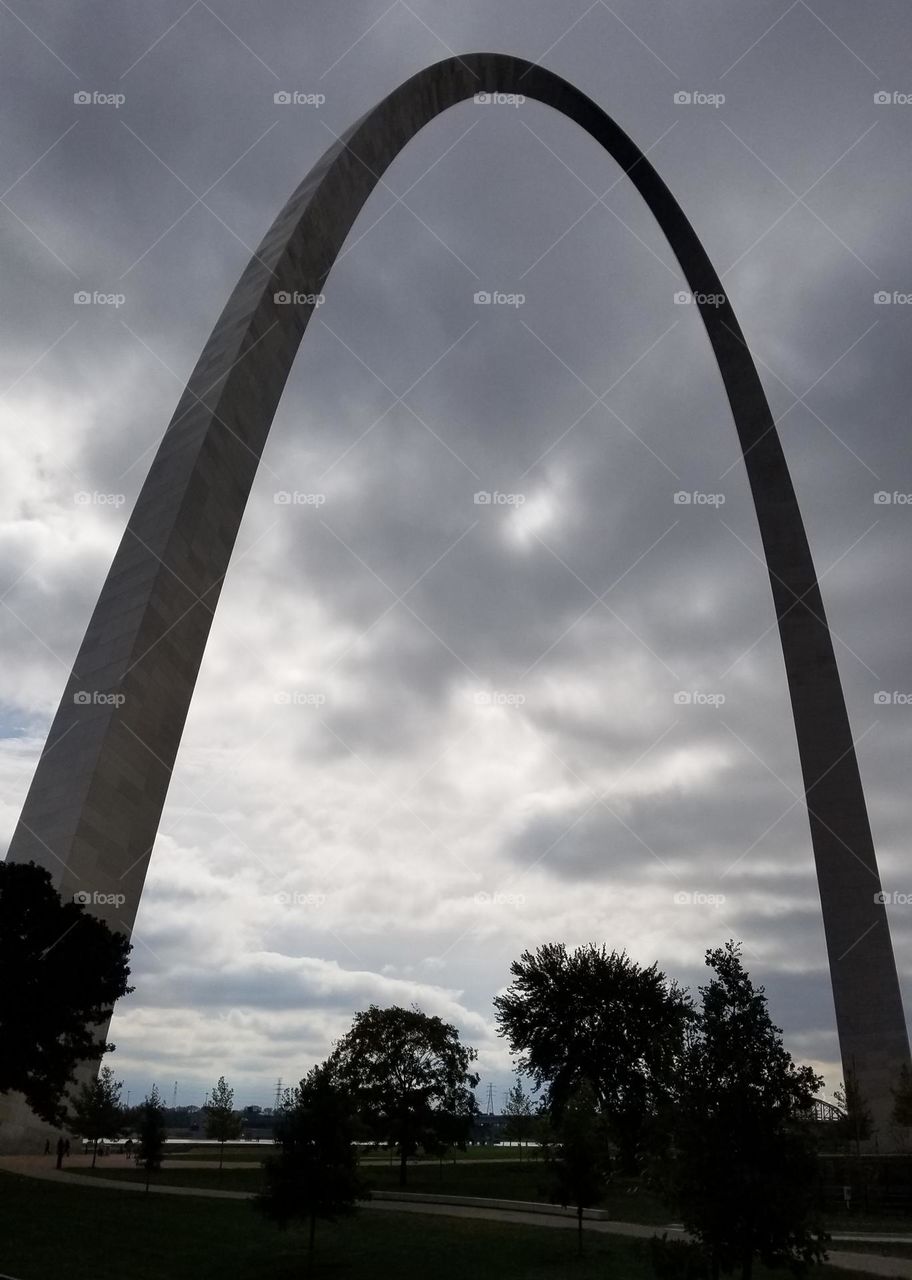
x,y
63,969
596,1016
521,1119
96,1110
151,1129
740,1165
315,1174
856,1125
409,1076
223,1123
579,1164
902,1100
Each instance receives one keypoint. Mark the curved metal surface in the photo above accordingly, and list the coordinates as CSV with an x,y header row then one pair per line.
x,y
92,812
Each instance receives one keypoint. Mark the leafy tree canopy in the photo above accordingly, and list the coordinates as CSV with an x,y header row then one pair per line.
x,y
410,1077
63,969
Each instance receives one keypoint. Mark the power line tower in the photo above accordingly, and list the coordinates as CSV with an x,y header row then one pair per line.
x,y
489,1106
174,1097
278,1094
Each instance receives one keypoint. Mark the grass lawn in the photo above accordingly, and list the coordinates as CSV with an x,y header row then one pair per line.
x,y
494,1181
95,1234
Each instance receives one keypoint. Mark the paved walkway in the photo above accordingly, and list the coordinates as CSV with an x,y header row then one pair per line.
x,y
43,1167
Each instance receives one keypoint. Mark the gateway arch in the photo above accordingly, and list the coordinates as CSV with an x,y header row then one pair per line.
x,y
92,811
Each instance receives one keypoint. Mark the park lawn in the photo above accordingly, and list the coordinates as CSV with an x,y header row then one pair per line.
x,y
92,1233
494,1182
231,1178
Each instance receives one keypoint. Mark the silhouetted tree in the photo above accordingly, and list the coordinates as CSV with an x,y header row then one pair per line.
x,y
902,1103
740,1167
151,1131
62,969
579,1162
96,1112
520,1112
223,1123
856,1125
315,1173
596,1016
408,1074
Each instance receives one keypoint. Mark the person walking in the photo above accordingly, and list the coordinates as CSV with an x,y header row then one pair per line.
x,y
60,1153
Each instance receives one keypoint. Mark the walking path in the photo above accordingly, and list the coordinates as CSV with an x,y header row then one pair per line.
x,y
539,1216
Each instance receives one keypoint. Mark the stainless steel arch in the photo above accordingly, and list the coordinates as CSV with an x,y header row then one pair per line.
x,y
92,812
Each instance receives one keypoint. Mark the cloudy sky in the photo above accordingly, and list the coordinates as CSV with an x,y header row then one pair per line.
x,y
429,733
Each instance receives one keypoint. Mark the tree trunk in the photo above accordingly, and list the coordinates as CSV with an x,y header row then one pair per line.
x,y
310,1242
403,1164
221,1156
94,1152
579,1230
